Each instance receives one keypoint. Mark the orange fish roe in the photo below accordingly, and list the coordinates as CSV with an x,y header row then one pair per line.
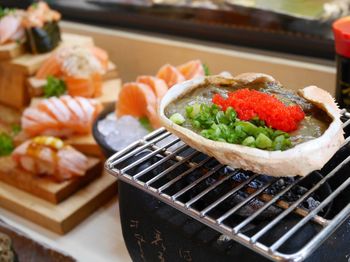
x,y
251,103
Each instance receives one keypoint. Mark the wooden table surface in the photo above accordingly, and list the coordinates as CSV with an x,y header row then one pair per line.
x,y
98,238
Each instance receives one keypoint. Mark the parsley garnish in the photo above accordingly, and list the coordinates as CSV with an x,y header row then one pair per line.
x,y
54,87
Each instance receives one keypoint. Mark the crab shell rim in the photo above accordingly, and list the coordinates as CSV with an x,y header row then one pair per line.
x,y
299,160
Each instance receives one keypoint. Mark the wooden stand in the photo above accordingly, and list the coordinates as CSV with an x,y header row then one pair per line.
x,y
45,188
11,50
14,73
63,217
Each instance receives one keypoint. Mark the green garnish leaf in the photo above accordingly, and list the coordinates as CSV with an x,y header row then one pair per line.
x,y
16,129
5,11
206,70
144,121
34,5
54,87
177,118
6,144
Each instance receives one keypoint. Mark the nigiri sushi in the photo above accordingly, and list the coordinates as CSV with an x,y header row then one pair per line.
x,y
46,155
81,68
60,117
41,28
11,28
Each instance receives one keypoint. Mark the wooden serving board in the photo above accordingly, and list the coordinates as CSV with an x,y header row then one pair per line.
x,y
11,50
65,216
43,187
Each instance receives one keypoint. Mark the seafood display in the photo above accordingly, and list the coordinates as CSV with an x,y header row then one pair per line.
x,y
79,68
60,117
136,106
37,27
45,155
252,122
140,99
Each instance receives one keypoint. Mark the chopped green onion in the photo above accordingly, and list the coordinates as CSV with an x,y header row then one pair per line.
x,y
177,118
263,142
249,141
215,124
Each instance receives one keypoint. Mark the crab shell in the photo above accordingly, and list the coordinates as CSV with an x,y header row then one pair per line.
x,y
299,160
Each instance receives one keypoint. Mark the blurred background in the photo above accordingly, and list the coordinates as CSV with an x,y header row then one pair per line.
x,y
296,27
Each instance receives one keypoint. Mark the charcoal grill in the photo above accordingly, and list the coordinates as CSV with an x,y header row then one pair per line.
x,y
231,201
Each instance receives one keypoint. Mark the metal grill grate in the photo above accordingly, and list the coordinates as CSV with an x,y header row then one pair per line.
x,y
230,200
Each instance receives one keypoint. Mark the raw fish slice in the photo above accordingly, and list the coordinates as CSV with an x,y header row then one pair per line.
x,y
89,111
171,75
75,109
192,69
28,163
10,26
35,121
61,117
49,156
51,67
65,156
138,100
18,35
57,109
101,55
85,87
58,132
158,85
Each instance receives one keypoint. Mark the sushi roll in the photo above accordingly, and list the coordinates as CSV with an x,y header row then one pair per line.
x,y
62,117
46,155
41,28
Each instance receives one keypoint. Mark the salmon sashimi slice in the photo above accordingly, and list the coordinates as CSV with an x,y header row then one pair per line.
x,y
11,28
75,109
158,85
55,108
138,100
51,67
61,116
35,121
192,69
46,155
85,87
101,55
171,75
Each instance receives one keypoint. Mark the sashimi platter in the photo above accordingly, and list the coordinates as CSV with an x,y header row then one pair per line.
x,y
47,153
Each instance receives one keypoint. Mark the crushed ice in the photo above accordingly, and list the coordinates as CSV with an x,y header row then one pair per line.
x,y
120,132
